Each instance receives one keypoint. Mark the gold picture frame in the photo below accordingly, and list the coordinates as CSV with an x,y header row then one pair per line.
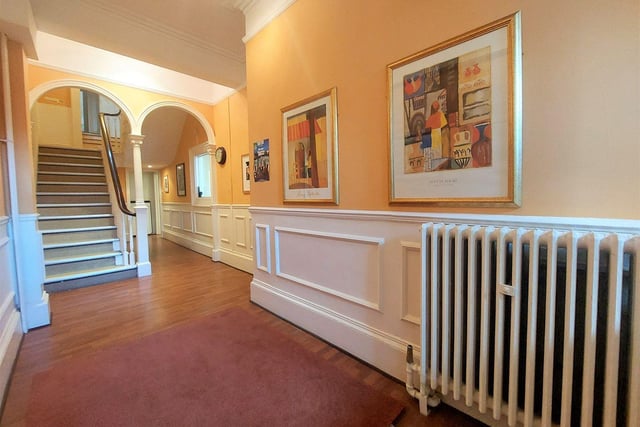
x,y
455,120
310,149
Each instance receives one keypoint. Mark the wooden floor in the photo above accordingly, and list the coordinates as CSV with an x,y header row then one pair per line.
x,y
184,285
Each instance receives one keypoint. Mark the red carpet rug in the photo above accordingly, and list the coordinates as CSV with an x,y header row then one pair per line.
x,y
222,370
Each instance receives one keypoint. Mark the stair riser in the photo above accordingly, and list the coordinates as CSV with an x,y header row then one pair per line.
x,y
70,168
83,210
71,151
72,198
58,224
78,236
71,178
74,251
65,159
74,267
72,188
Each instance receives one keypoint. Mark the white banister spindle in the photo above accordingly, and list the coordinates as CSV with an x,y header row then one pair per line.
x,y
132,249
533,237
614,315
484,318
633,414
516,273
551,240
569,329
446,304
590,328
472,283
499,326
435,311
457,312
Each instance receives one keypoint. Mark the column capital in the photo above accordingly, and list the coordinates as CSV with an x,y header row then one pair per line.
x,y
136,139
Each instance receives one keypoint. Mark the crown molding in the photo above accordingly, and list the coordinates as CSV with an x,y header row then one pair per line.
x,y
259,13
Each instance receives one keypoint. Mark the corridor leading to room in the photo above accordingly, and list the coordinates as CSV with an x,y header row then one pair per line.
x,y
184,285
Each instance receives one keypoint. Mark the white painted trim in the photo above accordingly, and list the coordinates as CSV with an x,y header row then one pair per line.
x,y
136,127
333,236
612,225
258,245
40,90
237,260
379,348
199,246
406,247
259,13
10,337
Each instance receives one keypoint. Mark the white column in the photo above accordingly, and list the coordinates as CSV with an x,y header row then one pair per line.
x,y
142,212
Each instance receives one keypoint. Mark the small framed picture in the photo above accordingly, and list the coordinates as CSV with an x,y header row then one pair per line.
x,y
246,173
165,183
180,180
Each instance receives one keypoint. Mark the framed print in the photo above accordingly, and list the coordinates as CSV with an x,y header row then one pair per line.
x,y
454,120
180,183
246,173
261,161
165,183
309,149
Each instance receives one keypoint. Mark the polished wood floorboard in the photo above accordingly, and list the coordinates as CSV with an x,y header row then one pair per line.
x,y
184,285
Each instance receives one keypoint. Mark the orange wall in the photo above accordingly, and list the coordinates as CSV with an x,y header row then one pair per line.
x,y
232,133
192,134
21,129
580,94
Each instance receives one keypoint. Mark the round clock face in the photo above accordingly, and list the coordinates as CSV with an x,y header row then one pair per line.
x,y
221,155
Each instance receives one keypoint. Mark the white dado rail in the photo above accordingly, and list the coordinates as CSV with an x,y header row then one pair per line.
x,y
222,232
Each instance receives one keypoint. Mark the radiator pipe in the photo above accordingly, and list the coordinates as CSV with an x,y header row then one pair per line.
x,y
411,368
425,399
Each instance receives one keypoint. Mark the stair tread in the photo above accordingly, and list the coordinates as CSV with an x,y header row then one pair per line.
x,y
78,243
72,193
83,216
86,165
67,148
68,259
71,205
75,230
70,173
70,183
72,156
88,273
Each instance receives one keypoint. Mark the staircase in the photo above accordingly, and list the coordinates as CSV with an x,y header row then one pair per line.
x,y
80,239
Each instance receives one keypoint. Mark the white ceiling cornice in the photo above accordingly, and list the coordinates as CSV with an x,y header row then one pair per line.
x,y
259,13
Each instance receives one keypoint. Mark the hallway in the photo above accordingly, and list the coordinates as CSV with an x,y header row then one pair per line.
x,y
184,285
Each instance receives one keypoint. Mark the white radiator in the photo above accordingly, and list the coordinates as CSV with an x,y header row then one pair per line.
x,y
531,326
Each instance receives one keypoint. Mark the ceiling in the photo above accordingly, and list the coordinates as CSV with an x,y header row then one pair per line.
x,y
200,38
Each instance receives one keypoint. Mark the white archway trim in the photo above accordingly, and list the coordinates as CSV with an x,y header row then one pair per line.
x,y
40,90
211,138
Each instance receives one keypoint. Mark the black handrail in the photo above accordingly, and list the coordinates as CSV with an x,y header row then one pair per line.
x,y
112,164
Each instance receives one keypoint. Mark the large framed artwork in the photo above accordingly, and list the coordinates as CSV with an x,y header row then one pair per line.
x,y
310,149
455,120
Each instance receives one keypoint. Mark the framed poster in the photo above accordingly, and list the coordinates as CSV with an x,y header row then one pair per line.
x,y
261,161
180,180
310,149
455,120
246,173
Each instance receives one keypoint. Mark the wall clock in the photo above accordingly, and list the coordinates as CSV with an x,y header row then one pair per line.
x,y
221,155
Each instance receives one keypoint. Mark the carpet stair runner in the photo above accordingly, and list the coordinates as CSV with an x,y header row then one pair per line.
x,y
81,246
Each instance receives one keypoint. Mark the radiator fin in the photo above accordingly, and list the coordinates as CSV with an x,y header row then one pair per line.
x,y
532,326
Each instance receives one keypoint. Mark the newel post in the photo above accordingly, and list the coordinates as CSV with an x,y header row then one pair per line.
x,y
141,209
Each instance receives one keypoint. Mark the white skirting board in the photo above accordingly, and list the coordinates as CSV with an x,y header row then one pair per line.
x,y
10,337
378,348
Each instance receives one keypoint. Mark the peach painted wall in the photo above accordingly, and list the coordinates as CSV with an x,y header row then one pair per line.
x,y
21,129
581,62
232,133
192,135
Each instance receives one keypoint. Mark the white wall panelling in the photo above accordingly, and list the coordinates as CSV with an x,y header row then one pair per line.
x,y
221,232
343,265
411,282
263,248
10,327
236,242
